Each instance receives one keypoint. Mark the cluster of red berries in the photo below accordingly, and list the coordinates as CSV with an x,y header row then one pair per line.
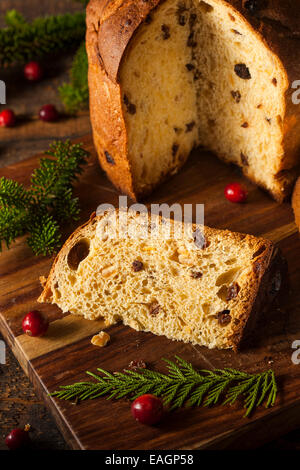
x,y
48,113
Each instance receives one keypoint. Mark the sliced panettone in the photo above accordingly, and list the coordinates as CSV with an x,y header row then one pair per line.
x,y
186,282
165,76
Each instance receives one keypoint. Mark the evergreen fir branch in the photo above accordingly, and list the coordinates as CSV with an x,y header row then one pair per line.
x,y
70,158
12,225
182,385
48,202
14,19
44,238
66,207
13,194
22,41
56,175
75,94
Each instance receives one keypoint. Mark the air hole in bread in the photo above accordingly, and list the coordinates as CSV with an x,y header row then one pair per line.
x,y
231,261
181,321
57,294
170,290
228,276
72,279
174,256
223,293
78,253
206,307
145,290
174,271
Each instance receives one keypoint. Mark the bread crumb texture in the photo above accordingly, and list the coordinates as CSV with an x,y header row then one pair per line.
x,y
186,282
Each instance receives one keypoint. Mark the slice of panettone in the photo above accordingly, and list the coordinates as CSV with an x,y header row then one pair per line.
x,y
183,281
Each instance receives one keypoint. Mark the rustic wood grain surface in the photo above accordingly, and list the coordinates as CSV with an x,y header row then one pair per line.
x,y
62,356
18,402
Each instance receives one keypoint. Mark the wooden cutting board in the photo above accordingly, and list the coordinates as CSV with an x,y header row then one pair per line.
x,y
63,356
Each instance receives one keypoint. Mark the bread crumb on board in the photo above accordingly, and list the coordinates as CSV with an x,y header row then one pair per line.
x,y
101,339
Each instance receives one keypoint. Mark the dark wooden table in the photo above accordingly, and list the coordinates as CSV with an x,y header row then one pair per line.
x,y
18,402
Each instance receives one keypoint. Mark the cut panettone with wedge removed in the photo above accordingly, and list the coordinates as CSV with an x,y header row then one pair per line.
x,y
166,76
183,281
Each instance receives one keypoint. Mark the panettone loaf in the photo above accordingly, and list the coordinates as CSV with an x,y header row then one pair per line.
x,y
165,76
186,282
296,202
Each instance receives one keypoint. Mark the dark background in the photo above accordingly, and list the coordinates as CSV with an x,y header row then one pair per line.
x,y
18,403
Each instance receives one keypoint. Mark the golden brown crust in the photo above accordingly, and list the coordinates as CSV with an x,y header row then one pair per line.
x,y
296,202
110,26
271,270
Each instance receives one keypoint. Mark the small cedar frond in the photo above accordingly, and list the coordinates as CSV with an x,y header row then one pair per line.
x,y
184,385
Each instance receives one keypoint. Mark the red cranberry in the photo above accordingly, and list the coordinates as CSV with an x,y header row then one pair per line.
x,y
33,71
147,409
35,324
7,118
235,192
17,438
48,113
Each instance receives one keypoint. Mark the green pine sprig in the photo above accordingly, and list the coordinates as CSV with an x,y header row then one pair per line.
x,y
22,41
75,94
48,202
183,385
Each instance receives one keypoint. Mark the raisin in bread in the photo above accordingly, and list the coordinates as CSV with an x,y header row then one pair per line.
x,y
296,202
187,282
165,76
